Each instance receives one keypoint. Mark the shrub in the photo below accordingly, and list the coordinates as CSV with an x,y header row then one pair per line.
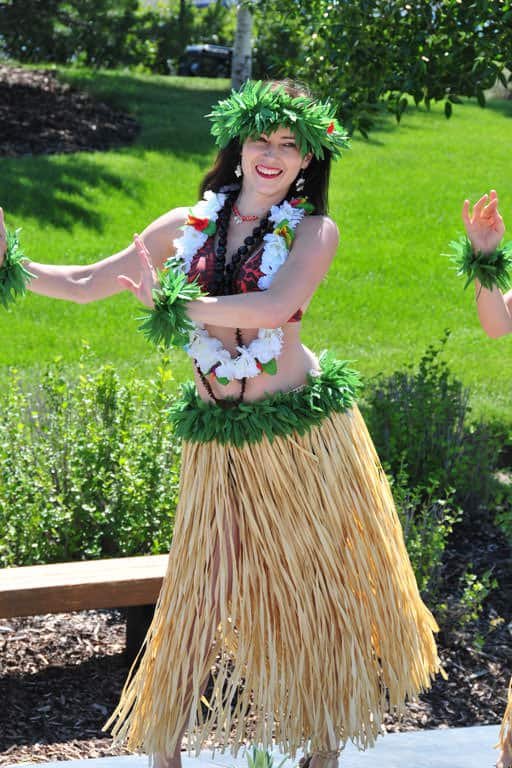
x,y
88,467
427,520
109,33
419,421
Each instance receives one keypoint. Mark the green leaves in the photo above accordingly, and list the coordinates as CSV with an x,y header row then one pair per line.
x,y
168,323
89,464
14,276
490,269
258,108
282,413
361,53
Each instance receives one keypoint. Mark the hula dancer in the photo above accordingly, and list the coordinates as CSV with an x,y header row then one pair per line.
x,y
288,577
481,258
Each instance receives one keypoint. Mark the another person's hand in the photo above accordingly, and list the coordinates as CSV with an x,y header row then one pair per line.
x,y
484,225
143,290
3,238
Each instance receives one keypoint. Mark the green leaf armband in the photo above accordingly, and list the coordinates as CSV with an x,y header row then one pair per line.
x,y
14,276
490,269
168,323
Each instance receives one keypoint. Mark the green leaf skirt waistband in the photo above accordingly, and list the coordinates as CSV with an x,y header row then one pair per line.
x,y
335,388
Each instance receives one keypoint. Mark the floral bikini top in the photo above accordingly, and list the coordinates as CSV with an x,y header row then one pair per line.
x,y
202,267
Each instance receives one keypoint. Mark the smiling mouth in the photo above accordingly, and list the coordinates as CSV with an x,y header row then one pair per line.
x,y
268,173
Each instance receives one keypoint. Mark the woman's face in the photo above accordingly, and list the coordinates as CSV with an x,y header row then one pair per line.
x,y
271,163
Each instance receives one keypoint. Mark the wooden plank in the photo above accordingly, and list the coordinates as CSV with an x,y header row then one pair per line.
x,y
62,587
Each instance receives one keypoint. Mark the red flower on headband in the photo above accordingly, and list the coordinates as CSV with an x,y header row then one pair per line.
x,y
331,127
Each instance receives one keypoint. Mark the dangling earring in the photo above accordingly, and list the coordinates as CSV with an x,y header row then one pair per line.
x,y
300,181
238,171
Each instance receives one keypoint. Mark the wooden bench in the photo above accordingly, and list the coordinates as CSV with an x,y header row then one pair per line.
x,y
130,582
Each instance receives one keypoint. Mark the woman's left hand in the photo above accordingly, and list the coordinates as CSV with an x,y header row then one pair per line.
x,y
143,290
484,225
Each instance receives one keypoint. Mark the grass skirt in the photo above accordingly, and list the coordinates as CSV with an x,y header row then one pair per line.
x,y
506,724
288,580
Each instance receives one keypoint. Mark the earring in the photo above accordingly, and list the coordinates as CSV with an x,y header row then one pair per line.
x,y
238,171
300,181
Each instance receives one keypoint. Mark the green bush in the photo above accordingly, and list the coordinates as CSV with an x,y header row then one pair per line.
x,y
420,422
88,467
109,33
442,469
427,521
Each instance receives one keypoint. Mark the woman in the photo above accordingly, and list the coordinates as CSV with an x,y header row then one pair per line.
x,y
485,230
288,577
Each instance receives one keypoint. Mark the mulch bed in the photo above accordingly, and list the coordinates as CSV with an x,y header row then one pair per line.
x,y
40,116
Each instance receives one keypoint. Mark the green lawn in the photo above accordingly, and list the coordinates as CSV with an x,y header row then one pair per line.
x,y
396,198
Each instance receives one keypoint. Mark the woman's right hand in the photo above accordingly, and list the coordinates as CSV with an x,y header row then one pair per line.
x,y
3,238
484,225
143,290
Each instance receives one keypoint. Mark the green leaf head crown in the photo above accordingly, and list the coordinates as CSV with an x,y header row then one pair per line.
x,y
260,107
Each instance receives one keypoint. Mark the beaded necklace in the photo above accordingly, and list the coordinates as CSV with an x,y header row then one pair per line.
x,y
211,216
225,278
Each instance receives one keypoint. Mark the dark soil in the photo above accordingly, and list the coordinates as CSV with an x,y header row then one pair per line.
x,y
61,675
41,116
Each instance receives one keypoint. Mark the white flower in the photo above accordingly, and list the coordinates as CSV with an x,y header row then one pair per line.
x,y
188,244
226,369
206,350
209,206
245,364
288,212
268,345
274,255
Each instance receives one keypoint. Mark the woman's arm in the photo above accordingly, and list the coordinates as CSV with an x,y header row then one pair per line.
x,y
313,249
485,229
83,284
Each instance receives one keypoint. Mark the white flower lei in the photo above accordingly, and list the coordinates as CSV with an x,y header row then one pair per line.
x,y
208,352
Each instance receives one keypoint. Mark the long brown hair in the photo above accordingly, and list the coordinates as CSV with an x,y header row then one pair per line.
x,y
316,175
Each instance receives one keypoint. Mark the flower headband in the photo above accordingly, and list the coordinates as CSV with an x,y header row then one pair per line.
x,y
260,108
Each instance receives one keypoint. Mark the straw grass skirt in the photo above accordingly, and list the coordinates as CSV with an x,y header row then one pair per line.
x,y
505,739
288,580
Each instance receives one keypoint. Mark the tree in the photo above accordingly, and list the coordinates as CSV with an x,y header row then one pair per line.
x,y
369,54
242,50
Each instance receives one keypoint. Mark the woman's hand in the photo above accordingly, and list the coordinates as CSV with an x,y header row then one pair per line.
x,y
484,226
3,238
143,290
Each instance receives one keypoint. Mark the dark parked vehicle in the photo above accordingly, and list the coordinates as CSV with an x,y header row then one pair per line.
x,y
206,60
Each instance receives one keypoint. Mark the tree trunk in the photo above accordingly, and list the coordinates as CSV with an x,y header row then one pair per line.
x,y
241,65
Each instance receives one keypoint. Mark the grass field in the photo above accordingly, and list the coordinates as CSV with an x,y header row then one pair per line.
x,y
396,199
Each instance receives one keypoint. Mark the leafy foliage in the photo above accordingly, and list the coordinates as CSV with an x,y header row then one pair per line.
x,y
419,420
108,33
490,269
257,108
427,521
441,467
281,413
88,467
378,54
168,322
14,276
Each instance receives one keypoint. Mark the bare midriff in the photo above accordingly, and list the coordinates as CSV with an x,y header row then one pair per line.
x,y
293,365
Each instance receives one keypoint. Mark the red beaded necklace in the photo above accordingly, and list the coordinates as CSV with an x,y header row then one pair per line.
x,y
239,218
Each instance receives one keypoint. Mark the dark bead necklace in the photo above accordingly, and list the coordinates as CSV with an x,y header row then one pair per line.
x,y
225,276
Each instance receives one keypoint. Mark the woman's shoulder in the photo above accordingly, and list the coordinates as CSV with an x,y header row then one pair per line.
x,y
321,228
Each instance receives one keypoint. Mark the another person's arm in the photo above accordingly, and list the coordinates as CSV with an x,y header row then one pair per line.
x,y
485,229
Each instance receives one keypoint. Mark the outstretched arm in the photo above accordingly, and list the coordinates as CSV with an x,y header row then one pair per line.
x,y
83,284
485,229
